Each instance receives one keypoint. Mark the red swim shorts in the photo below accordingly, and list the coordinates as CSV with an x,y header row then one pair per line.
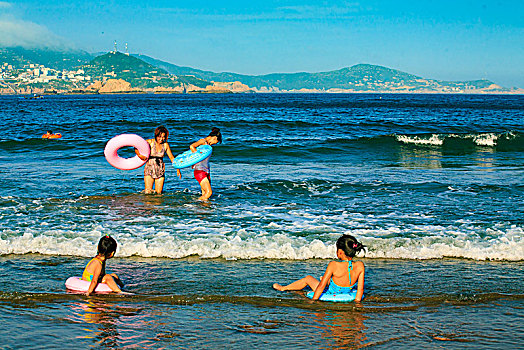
x,y
201,175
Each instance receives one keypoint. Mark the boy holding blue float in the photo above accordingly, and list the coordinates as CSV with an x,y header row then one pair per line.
x,y
202,170
340,277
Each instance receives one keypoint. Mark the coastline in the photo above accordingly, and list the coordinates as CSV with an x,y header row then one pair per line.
x,y
67,93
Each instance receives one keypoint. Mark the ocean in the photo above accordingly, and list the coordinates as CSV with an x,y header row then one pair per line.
x,y
433,185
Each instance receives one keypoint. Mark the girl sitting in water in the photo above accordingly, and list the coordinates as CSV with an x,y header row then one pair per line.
x,y
155,169
95,270
341,275
202,169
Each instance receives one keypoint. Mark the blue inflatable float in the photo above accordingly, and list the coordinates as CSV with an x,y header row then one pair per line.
x,y
188,158
341,298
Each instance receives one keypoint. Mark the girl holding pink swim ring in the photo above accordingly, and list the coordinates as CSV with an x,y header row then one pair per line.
x,y
154,171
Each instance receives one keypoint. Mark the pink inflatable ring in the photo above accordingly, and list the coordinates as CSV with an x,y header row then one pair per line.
x,y
79,285
124,140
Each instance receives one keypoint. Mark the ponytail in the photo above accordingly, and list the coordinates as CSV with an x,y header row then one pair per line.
x,y
216,132
107,246
349,245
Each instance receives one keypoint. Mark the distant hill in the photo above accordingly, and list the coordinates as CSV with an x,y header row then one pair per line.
x,y
59,60
137,72
360,77
48,71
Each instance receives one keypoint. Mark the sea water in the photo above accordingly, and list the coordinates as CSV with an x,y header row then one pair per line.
x,y
433,185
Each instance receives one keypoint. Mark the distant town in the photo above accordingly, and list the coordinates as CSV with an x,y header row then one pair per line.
x,y
34,73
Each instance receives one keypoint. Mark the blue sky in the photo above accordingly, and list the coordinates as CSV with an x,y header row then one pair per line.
x,y
447,40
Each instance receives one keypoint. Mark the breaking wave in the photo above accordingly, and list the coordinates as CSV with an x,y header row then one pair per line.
x,y
394,243
507,141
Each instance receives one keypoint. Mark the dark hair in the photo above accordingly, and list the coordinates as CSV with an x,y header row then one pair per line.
x,y
216,132
349,245
106,246
161,130
49,132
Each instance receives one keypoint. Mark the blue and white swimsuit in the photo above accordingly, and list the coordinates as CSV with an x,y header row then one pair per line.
x,y
336,289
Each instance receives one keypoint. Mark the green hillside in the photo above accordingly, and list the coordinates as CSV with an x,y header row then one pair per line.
x,y
360,77
135,71
206,75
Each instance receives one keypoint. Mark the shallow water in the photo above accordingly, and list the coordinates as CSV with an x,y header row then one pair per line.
x,y
432,185
195,303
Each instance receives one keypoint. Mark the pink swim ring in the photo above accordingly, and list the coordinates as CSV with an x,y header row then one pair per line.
x,y
124,140
79,285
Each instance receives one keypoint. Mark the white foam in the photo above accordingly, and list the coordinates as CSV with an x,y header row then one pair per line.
x,y
488,140
434,140
505,248
246,231
484,140
393,242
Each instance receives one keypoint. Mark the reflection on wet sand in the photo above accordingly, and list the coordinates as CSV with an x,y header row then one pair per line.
x,y
409,156
116,326
131,206
342,329
427,158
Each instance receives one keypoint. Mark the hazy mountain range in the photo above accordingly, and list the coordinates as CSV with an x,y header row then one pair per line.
x,y
144,73
360,77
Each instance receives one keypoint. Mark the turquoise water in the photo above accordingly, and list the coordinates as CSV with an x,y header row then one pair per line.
x,y
432,185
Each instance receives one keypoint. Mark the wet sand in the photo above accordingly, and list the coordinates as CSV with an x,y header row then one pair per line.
x,y
199,303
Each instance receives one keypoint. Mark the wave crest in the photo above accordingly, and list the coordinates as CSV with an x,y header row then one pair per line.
x,y
496,245
507,141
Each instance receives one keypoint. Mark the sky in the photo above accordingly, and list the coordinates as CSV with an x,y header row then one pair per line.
x,y
438,39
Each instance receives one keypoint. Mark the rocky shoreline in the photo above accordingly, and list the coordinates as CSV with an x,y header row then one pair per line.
x,y
121,86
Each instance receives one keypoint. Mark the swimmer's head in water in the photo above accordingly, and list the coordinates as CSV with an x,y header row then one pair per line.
x,y
107,246
216,132
349,245
161,131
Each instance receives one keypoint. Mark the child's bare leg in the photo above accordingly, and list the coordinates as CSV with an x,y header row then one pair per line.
x,y
117,280
310,281
159,185
148,182
108,279
206,189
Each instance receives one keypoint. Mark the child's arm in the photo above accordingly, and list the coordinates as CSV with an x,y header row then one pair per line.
x,y
96,275
360,286
324,281
170,155
138,153
194,145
